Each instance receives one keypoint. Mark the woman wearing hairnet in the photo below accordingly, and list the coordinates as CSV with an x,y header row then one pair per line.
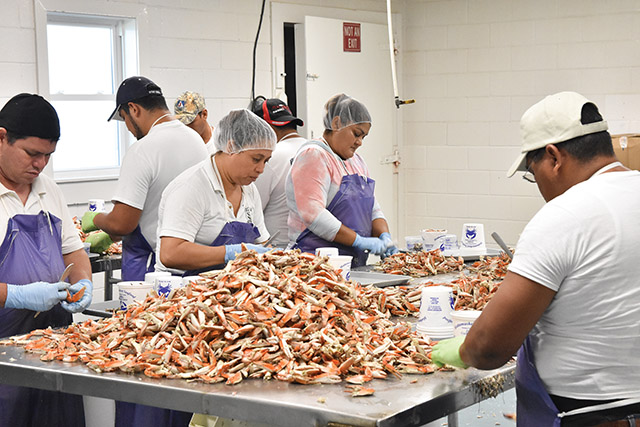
x,y
208,210
329,191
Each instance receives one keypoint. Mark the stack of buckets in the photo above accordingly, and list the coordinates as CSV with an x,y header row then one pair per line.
x,y
437,318
436,306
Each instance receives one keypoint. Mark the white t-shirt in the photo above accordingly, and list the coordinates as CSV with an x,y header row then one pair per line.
x,y
151,164
271,186
44,195
194,208
584,245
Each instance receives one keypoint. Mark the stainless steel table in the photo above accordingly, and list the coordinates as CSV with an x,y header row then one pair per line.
x,y
411,401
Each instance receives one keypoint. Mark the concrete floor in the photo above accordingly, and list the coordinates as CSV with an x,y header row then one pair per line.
x,y
486,413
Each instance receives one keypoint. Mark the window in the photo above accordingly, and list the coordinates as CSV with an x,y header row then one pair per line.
x,y
86,63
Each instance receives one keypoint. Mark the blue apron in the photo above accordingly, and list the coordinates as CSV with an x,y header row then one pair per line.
x,y
534,405
352,206
535,408
31,252
232,233
138,258
135,415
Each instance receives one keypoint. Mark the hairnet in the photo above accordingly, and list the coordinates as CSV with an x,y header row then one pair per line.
x,y
241,130
350,112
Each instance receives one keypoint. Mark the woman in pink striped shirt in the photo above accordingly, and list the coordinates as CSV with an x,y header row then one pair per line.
x,y
329,192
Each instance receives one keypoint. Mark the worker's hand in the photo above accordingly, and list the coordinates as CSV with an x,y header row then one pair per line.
x,y
84,302
372,244
100,242
87,221
232,250
447,352
390,248
37,296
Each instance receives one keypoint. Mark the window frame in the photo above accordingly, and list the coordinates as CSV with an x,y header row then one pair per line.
x,y
124,64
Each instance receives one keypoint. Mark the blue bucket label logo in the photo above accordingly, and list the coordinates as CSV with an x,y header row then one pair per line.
x,y
470,238
164,289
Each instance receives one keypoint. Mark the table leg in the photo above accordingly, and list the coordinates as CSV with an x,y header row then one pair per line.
x,y
452,420
108,279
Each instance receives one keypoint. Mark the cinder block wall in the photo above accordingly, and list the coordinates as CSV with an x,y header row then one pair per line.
x,y
474,67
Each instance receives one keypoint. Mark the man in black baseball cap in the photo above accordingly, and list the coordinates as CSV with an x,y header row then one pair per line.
x,y
165,148
41,242
132,89
271,183
30,115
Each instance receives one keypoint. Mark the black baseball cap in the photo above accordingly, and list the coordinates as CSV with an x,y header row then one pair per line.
x,y
275,112
28,114
131,89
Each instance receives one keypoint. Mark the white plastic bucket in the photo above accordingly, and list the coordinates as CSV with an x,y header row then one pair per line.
x,y
164,285
432,239
327,251
436,305
462,321
342,263
153,275
96,205
133,292
413,243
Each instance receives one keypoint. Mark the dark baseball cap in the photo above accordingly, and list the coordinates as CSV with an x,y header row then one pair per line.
x,y
28,115
131,89
275,112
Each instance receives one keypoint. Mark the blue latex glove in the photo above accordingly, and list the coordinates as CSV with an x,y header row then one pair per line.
x,y
372,244
390,247
232,250
37,296
87,221
447,352
85,301
100,242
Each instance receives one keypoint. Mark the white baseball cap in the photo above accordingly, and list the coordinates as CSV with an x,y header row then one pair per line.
x,y
555,119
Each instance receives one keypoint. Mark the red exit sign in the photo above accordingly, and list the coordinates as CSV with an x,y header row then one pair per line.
x,y
351,37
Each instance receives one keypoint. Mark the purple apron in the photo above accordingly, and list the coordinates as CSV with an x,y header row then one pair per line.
x,y
31,252
135,415
138,258
534,405
352,206
232,233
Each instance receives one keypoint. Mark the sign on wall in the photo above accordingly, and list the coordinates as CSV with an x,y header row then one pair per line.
x,y
351,37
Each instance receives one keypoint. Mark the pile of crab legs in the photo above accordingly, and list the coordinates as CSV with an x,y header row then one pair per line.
x,y
283,315
472,291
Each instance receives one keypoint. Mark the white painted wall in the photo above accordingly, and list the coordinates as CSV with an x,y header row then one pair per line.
x,y
474,67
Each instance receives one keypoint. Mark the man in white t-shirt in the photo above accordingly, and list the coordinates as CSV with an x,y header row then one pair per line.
x,y
271,184
191,110
165,148
571,293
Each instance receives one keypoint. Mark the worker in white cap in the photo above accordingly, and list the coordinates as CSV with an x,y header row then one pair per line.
x,y
570,300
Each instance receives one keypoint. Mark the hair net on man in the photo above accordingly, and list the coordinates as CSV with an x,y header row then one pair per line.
x,y
349,111
241,130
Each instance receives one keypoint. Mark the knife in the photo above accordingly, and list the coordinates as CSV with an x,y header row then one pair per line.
x,y
273,236
63,277
502,244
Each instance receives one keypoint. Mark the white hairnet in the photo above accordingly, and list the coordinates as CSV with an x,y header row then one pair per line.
x,y
241,130
350,112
